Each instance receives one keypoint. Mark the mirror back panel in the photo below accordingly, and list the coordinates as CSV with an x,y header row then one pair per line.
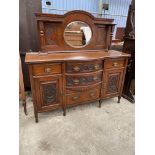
x,y
55,32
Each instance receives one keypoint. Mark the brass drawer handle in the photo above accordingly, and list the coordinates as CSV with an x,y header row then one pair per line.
x,y
48,70
76,81
95,78
92,94
75,98
115,64
96,66
76,68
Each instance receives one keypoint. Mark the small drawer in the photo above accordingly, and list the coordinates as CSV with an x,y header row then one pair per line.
x,y
83,79
45,69
83,96
114,63
83,67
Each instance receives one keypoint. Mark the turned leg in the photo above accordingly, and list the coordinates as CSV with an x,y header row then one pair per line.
x,y
24,105
100,101
119,97
64,111
36,116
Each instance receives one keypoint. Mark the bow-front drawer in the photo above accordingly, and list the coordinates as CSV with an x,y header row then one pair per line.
x,y
83,67
83,79
46,69
114,63
83,96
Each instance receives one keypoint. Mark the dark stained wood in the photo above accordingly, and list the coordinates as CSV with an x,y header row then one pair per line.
x,y
120,33
62,76
28,39
22,95
129,47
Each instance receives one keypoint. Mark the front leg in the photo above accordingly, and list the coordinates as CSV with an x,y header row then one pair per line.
x,y
25,109
100,101
36,116
119,97
64,111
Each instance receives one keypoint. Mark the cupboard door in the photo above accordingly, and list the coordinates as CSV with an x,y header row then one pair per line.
x,y
48,90
113,80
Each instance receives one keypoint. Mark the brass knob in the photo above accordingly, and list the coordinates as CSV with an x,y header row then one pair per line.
x,y
92,94
115,64
76,68
75,98
47,70
96,66
76,81
95,78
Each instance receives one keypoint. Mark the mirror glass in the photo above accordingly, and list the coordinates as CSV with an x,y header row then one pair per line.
x,y
77,34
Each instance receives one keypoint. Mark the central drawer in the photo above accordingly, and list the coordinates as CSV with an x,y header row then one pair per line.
x,y
83,79
83,67
84,96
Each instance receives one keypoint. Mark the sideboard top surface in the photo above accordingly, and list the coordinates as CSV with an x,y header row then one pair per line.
x,y
36,57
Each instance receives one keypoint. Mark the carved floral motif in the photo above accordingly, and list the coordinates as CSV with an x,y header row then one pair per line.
x,y
49,93
83,67
113,83
82,80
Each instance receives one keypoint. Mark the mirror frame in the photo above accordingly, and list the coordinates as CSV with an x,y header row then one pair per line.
x,y
78,46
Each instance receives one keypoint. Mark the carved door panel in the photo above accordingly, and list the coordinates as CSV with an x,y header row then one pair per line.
x,y
48,90
113,80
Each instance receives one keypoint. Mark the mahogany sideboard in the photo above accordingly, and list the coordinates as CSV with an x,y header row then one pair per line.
x,y
64,75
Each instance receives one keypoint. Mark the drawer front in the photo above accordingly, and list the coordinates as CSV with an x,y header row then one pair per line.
x,y
83,67
114,63
83,80
47,69
80,89
83,96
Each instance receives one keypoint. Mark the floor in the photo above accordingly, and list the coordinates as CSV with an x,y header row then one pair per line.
x,y
86,130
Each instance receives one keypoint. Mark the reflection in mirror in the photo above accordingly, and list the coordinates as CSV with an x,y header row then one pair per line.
x,y
77,34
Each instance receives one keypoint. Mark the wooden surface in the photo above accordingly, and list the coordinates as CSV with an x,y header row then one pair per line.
x,y
72,55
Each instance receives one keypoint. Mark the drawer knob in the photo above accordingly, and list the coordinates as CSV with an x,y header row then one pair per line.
x,y
92,94
96,66
115,64
76,81
75,98
47,70
76,68
95,78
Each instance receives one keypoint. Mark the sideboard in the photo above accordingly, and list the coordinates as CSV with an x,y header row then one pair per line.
x,y
63,74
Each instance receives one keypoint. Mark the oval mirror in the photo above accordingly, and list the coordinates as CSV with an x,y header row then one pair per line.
x,y
77,34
